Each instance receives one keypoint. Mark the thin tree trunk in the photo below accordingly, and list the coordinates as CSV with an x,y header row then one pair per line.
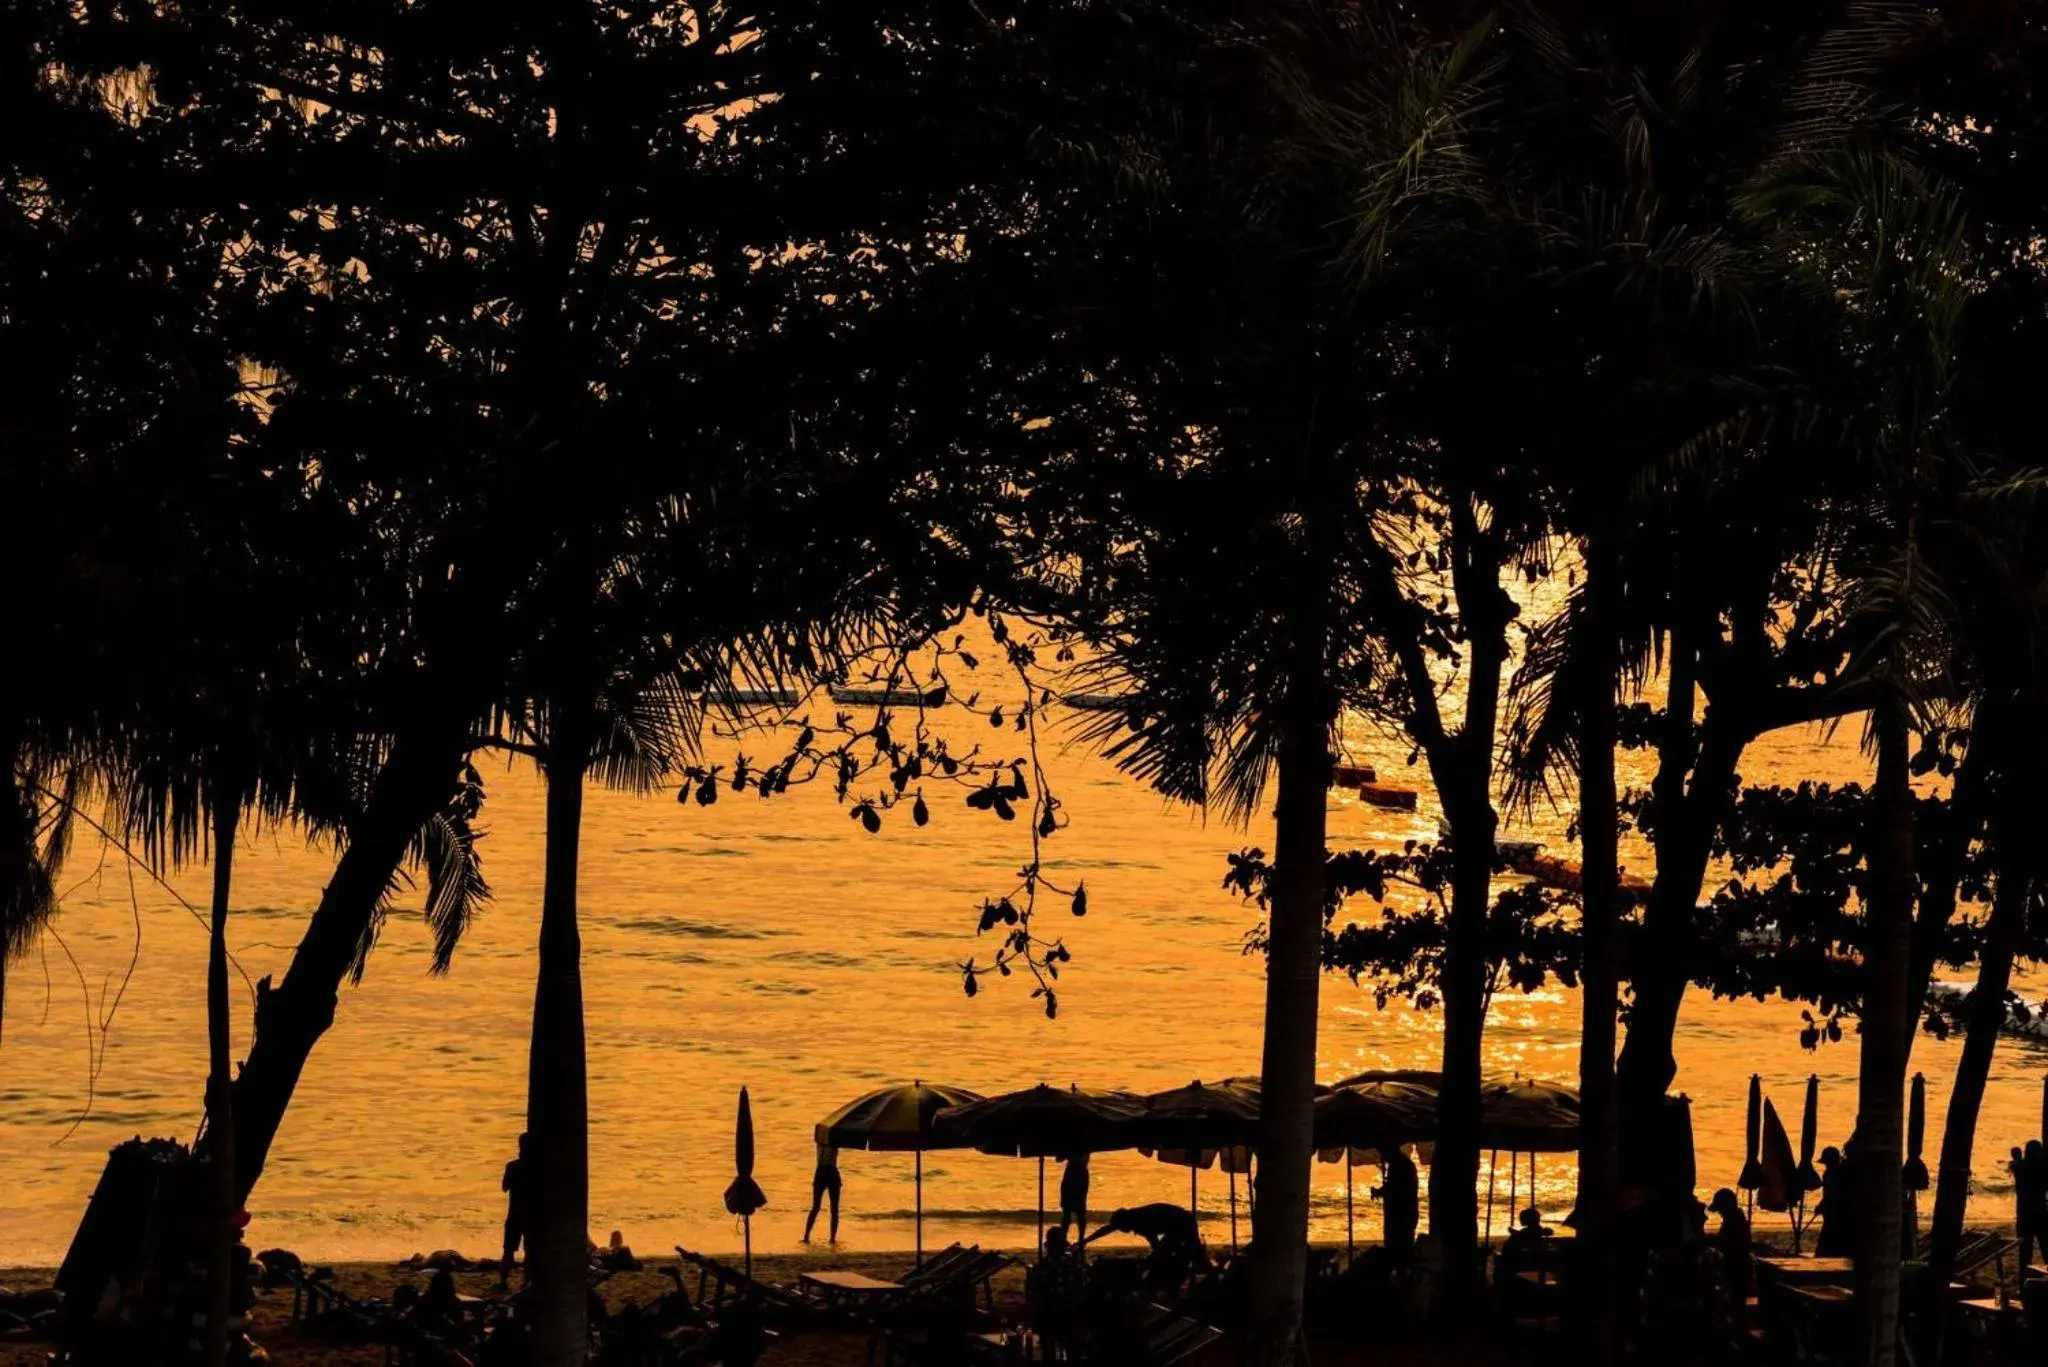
x,y
1662,967
415,782
1973,1069
220,1125
1599,1202
557,1097
1293,979
1454,1165
1462,768
1940,874
1888,923
2015,823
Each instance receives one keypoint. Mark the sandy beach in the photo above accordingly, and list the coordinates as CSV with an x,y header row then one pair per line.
x,y
287,1346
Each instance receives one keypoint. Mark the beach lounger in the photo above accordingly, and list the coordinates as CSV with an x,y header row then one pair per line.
x,y
960,1268
1979,1251
315,1298
720,1284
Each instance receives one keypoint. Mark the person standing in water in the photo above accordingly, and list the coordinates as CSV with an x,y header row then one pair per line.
x,y
824,1182
516,1188
1074,1194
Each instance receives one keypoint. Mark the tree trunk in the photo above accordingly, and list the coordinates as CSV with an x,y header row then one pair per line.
x,y
557,1098
415,782
220,1124
1599,1202
1454,1166
1662,967
1462,768
1980,1041
1888,922
2015,824
1941,873
1293,980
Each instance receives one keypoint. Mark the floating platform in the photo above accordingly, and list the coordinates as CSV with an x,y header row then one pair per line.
x,y
856,696
758,697
1387,795
1353,775
1095,702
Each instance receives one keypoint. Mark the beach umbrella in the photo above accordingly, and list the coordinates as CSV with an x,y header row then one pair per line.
x,y
1529,1116
1752,1134
1041,1122
1914,1178
896,1120
744,1196
1194,1125
1375,1114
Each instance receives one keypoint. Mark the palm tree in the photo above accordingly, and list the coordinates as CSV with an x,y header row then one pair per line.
x,y
1889,242
1260,428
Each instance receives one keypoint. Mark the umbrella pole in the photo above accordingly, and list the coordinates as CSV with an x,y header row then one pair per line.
x,y
1233,1212
1514,1184
920,1207
1492,1170
1193,1209
1350,1239
1041,1207
747,1224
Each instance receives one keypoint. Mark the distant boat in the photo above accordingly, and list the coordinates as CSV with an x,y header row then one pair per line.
x,y
1096,702
2021,1018
889,697
758,697
1527,858
1386,795
1352,775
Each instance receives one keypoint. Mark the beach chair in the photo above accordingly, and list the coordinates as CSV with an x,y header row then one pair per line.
x,y
1157,1337
720,1284
966,1270
940,1264
317,1299
1979,1251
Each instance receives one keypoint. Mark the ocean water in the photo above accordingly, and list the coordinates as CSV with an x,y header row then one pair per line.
x,y
779,946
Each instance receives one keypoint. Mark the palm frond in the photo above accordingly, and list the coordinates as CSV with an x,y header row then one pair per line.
x,y
1541,754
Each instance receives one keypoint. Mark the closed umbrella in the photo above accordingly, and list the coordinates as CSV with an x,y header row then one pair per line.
x,y
1809,1135
744,1196
896,1120
1752,1134
1780,1174
1914,1178
1808,1176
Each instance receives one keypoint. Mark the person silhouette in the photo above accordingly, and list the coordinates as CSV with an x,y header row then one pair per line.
x,y
825,1181
1833,1209
1732,1242
517,1188
1400,1193
2030,1186
1074,1194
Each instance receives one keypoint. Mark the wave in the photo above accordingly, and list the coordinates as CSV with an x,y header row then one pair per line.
x,y
701,930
